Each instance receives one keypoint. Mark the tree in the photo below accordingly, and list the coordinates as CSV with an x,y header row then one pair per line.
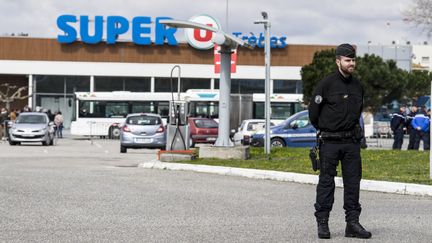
x,y
419,14
9,93
382,81
323,63
418,84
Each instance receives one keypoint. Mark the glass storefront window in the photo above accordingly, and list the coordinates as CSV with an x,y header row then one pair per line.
x,y
164,85
133,84
285,86
194,83
58,84
108,84
244,86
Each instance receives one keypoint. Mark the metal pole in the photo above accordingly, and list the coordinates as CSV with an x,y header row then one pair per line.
x,y
430,139
267,87
223,139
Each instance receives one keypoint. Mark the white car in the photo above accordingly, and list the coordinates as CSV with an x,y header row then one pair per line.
x,y
247,129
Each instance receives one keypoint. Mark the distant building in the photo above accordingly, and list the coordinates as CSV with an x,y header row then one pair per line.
x,y
402,54
422,57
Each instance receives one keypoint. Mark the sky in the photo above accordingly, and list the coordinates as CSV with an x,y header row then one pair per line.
x,y
326,22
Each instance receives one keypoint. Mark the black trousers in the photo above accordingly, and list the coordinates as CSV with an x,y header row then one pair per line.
x,y
412,137
330,155
398,139
422,136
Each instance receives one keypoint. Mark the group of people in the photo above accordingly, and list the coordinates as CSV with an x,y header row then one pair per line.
x,y
416,122
5,116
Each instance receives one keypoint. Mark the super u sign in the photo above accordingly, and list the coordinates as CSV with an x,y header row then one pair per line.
x,y
202,39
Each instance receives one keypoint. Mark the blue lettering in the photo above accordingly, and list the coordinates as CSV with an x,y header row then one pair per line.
x,y
116,25
164,33
252,40
70,33
237,34
84,30
282,42
260,43
273,42
138,29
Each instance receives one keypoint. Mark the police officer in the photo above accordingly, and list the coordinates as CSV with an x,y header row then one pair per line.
x,y
397,124
335,110
411,131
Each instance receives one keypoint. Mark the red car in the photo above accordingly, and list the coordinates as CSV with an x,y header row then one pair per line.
x,y
202,130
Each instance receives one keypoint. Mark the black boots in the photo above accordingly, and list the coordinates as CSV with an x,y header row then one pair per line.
x,y
356,230
323,228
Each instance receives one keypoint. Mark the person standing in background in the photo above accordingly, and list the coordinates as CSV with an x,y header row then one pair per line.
x,y
58,121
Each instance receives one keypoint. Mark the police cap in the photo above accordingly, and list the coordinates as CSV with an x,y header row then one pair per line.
x,y
346,50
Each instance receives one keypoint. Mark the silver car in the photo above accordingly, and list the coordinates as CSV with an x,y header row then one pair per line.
x,y
142,130
31,127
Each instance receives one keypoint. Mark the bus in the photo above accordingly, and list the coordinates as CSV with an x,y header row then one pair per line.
x,y
100,113
205,103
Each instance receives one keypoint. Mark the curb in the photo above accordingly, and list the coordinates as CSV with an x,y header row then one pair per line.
x,y
366,185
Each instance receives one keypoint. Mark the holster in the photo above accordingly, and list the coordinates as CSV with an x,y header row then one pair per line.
x,y
314,154
358,133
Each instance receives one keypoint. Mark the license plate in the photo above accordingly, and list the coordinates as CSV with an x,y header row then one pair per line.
x,y
211,139
143,140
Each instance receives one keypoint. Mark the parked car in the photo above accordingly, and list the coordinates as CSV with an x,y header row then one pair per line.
x,y
247,129
31,127
142,130
202,130
295,131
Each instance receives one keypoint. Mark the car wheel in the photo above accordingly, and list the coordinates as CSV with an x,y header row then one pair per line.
x,y
51,143
12,143
277,142
45,143
123,149
114,133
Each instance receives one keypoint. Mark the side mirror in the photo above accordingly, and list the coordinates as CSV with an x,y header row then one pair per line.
x,y
10,124
295,126
51,123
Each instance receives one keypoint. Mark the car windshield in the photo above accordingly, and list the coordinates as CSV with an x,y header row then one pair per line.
x,y
31,119
143,120
204,123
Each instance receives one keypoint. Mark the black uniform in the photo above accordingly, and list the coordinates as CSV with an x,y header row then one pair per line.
x,y
335,111
397,125
411,131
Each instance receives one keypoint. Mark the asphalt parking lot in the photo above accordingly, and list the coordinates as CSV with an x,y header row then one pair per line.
x,y
79,191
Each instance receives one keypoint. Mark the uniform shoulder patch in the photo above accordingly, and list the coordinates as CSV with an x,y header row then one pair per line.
x,y
318,99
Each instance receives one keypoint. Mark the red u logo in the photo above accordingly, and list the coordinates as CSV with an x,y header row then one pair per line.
x,y
207,35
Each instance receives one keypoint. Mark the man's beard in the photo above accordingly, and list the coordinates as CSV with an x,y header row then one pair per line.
x,y
347,70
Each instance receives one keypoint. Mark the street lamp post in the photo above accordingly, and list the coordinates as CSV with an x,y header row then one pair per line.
x,y
227,43
267,109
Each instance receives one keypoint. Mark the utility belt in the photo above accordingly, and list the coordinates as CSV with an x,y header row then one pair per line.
x,y
337,135
356,134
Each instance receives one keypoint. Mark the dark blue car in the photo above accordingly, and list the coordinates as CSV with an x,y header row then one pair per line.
x,y
296,131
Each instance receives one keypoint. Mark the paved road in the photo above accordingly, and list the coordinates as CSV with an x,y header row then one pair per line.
x,y
77,192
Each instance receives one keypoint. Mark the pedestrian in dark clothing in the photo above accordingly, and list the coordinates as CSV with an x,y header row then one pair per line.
x,y
421,123
411,131
397,125
335,110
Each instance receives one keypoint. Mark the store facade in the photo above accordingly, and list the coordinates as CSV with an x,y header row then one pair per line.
x,y
53,71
